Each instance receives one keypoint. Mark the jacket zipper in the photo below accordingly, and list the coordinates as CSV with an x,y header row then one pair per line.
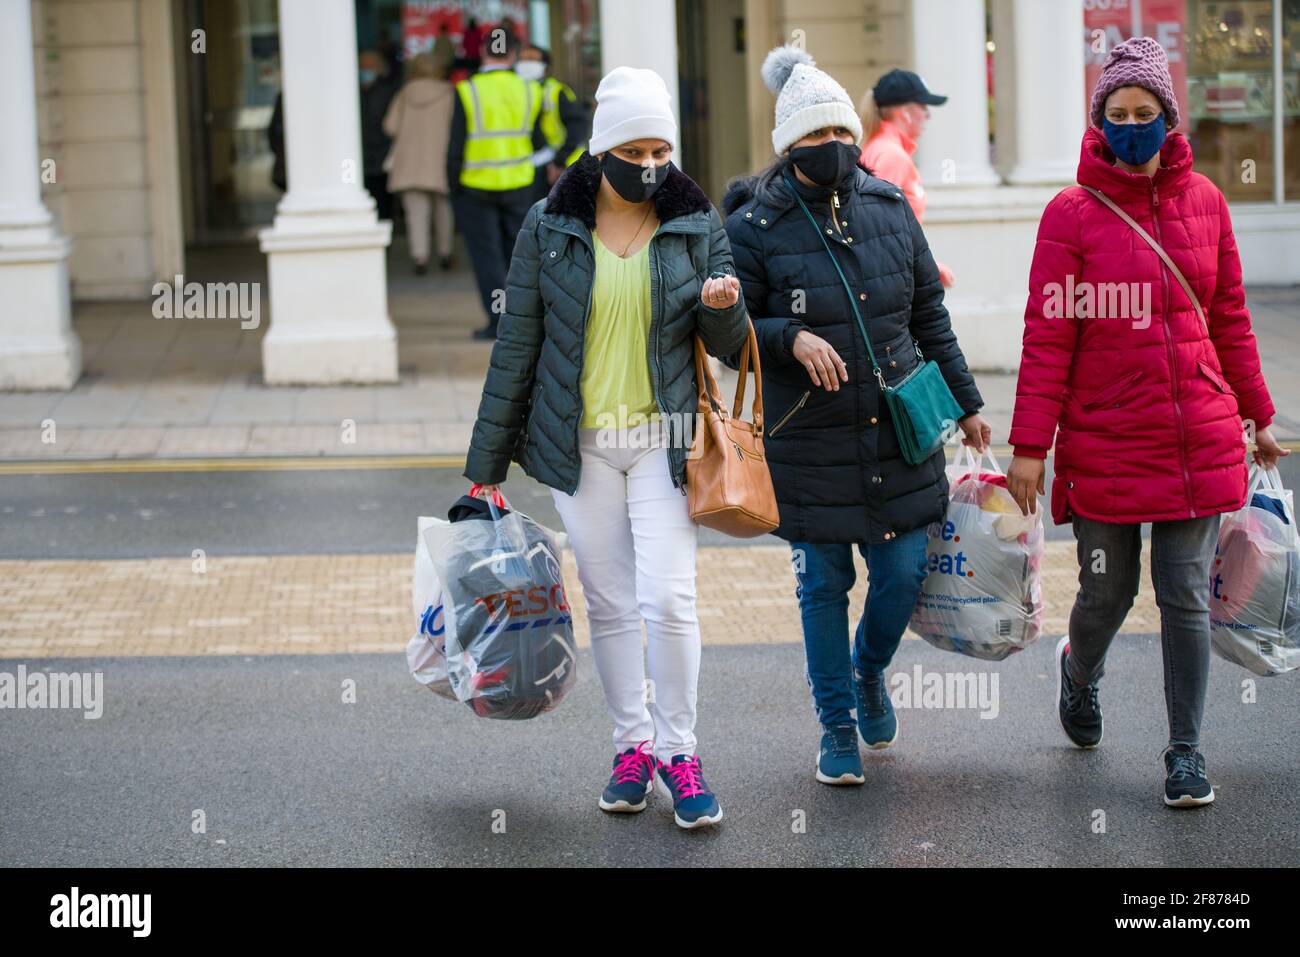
x,y
1173,357
792,410
652,347
582,348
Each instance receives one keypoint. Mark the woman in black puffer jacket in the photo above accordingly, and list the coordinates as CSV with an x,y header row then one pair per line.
x,y
840,477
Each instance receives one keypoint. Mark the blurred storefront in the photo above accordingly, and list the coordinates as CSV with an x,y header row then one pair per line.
x,y
149,120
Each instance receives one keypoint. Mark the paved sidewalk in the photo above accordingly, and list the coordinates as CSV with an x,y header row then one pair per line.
x,y
322,604
157,388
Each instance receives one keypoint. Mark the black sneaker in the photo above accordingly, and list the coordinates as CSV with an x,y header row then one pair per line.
x,y
1185,781
1076,705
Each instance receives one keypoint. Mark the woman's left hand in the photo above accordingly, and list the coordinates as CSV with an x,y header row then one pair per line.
x,y
720,293
977,432
1267,451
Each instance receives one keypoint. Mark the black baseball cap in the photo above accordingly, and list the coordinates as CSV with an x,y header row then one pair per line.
x,y
902,86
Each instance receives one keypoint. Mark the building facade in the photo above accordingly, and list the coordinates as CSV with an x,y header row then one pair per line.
x,y
136,133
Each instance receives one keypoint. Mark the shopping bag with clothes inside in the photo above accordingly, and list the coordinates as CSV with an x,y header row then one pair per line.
x,y
426,652
509,630
982,596
1255,581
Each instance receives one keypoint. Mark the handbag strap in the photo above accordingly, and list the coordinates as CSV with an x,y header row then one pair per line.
x,y
708,386
875,366
1160,251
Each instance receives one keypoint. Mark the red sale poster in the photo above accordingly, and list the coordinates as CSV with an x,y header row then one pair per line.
x,y
1108,22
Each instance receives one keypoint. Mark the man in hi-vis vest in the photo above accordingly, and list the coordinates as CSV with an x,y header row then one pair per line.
x,y
564,119
495,129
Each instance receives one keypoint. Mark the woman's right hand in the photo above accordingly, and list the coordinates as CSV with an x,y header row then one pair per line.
x,y
824,365
1025,482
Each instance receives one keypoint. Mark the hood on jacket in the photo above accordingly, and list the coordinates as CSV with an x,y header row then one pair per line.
x,y
1097,168
574,193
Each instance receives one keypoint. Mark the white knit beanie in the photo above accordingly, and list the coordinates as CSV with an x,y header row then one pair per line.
x,y
631,104
806,98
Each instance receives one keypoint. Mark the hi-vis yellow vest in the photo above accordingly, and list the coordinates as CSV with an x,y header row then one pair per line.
x,y
552,127
501,109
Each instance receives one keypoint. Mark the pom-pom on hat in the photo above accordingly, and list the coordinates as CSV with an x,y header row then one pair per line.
x,y
806,98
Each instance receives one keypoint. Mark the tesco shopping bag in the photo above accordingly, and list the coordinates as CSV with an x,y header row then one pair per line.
x,y
982,596
508,628
426,652
1255,581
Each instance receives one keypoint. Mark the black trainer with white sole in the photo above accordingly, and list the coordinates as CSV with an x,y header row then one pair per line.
x,y
1076,705
1185,782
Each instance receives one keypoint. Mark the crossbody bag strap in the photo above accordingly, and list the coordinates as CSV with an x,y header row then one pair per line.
x,y
1160,251
875,366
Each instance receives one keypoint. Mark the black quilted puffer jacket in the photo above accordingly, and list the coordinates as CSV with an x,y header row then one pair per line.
x,y
532,400
838,471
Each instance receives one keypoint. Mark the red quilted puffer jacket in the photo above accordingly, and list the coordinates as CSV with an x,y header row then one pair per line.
x,y
1146,411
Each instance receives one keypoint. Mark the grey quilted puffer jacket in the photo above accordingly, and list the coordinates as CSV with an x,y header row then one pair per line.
x,y
532,401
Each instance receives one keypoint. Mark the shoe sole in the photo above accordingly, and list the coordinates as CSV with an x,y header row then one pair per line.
x,y
842,780
1060,647
1188,800
703,820
623,807
879,745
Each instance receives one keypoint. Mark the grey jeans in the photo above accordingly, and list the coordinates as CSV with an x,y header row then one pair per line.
x,y
1109,569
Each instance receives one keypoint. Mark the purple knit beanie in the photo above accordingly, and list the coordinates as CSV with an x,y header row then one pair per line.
x,y
1139,61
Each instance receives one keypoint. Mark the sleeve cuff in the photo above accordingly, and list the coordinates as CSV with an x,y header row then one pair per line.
x,y
792,329
1030,452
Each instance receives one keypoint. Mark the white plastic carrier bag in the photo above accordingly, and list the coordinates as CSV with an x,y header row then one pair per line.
x,y
508,627
983,595
1255,580
426,652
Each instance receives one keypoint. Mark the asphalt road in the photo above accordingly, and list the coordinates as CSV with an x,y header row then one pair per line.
x,y
285,773
265,512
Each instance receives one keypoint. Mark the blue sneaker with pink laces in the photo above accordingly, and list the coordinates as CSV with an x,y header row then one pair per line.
x,y
632,780
693,803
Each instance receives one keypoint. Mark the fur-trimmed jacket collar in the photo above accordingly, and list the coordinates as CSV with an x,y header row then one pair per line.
x,y
574,193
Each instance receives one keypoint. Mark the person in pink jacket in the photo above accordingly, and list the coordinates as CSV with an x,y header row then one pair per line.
x,y
1145,398
894,113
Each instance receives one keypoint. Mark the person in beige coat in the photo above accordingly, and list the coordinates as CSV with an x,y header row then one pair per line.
x,y
419,121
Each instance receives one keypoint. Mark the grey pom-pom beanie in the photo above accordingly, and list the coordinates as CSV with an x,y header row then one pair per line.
x,y
806,98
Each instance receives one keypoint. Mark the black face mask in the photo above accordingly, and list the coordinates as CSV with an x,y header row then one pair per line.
x,y
826,164
634,182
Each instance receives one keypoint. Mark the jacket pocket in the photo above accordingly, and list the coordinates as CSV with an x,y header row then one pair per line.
x,y
789,413
1112,394
1207,370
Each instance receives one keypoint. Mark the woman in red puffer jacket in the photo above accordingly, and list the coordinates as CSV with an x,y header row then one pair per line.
x,y
1145,399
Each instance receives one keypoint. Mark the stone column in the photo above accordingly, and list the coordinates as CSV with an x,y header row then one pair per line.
x,y
325,250
948,52
38,349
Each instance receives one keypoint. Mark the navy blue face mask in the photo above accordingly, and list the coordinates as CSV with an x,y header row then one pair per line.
x,y
1135,143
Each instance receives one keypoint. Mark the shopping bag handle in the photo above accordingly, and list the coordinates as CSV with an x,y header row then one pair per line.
x,y
1270,479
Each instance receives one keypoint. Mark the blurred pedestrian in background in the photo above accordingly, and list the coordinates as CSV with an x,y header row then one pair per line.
x,y
894,113
377,92
564,119
419,122
495,131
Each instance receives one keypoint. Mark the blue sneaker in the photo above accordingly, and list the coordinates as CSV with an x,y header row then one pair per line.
x,y
838,761
876,719
693,803
632,780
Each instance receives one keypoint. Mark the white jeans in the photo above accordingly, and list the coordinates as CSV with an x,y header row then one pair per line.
x,y
634,542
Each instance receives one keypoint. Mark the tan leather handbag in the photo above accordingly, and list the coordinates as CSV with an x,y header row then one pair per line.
x,y
728,486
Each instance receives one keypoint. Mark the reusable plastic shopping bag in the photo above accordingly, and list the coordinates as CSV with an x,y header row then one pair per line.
x,y
1255,581
509,630
426,652
982,596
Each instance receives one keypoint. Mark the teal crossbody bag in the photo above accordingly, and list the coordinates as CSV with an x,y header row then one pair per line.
x,y
921,405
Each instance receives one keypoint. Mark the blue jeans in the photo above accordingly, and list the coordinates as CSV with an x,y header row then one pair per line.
x,y
896,570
